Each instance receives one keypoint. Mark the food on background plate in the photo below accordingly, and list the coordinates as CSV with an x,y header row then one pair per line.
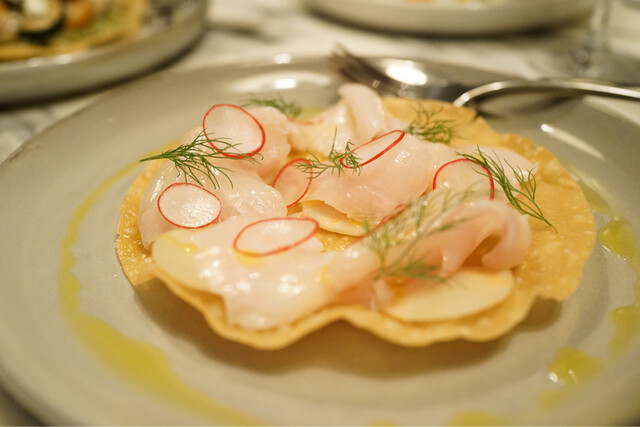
x,y
33,28
413,220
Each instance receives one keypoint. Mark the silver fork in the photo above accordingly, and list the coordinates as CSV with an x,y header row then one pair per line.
x,y
356,69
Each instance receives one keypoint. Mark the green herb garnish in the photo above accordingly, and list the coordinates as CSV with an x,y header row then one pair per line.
x,y
396,241
289,109
196,157
526,203
336,162
426,126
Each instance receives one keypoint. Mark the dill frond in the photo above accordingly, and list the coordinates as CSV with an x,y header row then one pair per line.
x,y
336,162
523,198
289,109
412,268
426,126
396,241
196,158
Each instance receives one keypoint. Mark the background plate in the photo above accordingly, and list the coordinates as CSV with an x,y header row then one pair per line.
x,y
451,17
169,27
78,345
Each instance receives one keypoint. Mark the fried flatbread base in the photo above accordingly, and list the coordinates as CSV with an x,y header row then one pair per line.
x,y
123,20
552,269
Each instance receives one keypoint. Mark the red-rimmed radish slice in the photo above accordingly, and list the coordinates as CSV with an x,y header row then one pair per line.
x,y
393,214
399,209
463,173
274,235
292,182
188,205
237,126
374,149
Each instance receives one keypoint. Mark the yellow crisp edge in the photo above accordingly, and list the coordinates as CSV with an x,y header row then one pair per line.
x,y
552,268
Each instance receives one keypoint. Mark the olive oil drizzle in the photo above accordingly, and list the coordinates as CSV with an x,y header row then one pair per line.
x,y
146,367
142,365
572,369
619,238
479,418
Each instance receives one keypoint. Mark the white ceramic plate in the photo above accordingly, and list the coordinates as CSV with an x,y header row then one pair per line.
x,y
78,345
453,17
167,31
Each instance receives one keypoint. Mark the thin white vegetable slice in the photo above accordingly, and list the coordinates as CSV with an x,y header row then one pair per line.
x,y
187,205
331,219
465,293
236,126
274,235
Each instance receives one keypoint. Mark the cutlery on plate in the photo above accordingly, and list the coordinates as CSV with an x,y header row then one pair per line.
x,y
361,70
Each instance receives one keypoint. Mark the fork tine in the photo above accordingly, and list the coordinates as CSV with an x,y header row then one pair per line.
x,y
354,76
355,65
359,70
359,63
351,73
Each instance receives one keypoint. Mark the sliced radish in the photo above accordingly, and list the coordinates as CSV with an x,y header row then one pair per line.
x,y
461,174
375,148
274,235
292,182
393,214
237,126
188,205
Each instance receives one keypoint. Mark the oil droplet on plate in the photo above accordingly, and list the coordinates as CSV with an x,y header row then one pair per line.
x,y
143,365
618,237
479,418
570,369
627,323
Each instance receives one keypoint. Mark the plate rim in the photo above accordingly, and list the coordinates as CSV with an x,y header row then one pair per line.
x,y
186,30
432,15
15,388
453,5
